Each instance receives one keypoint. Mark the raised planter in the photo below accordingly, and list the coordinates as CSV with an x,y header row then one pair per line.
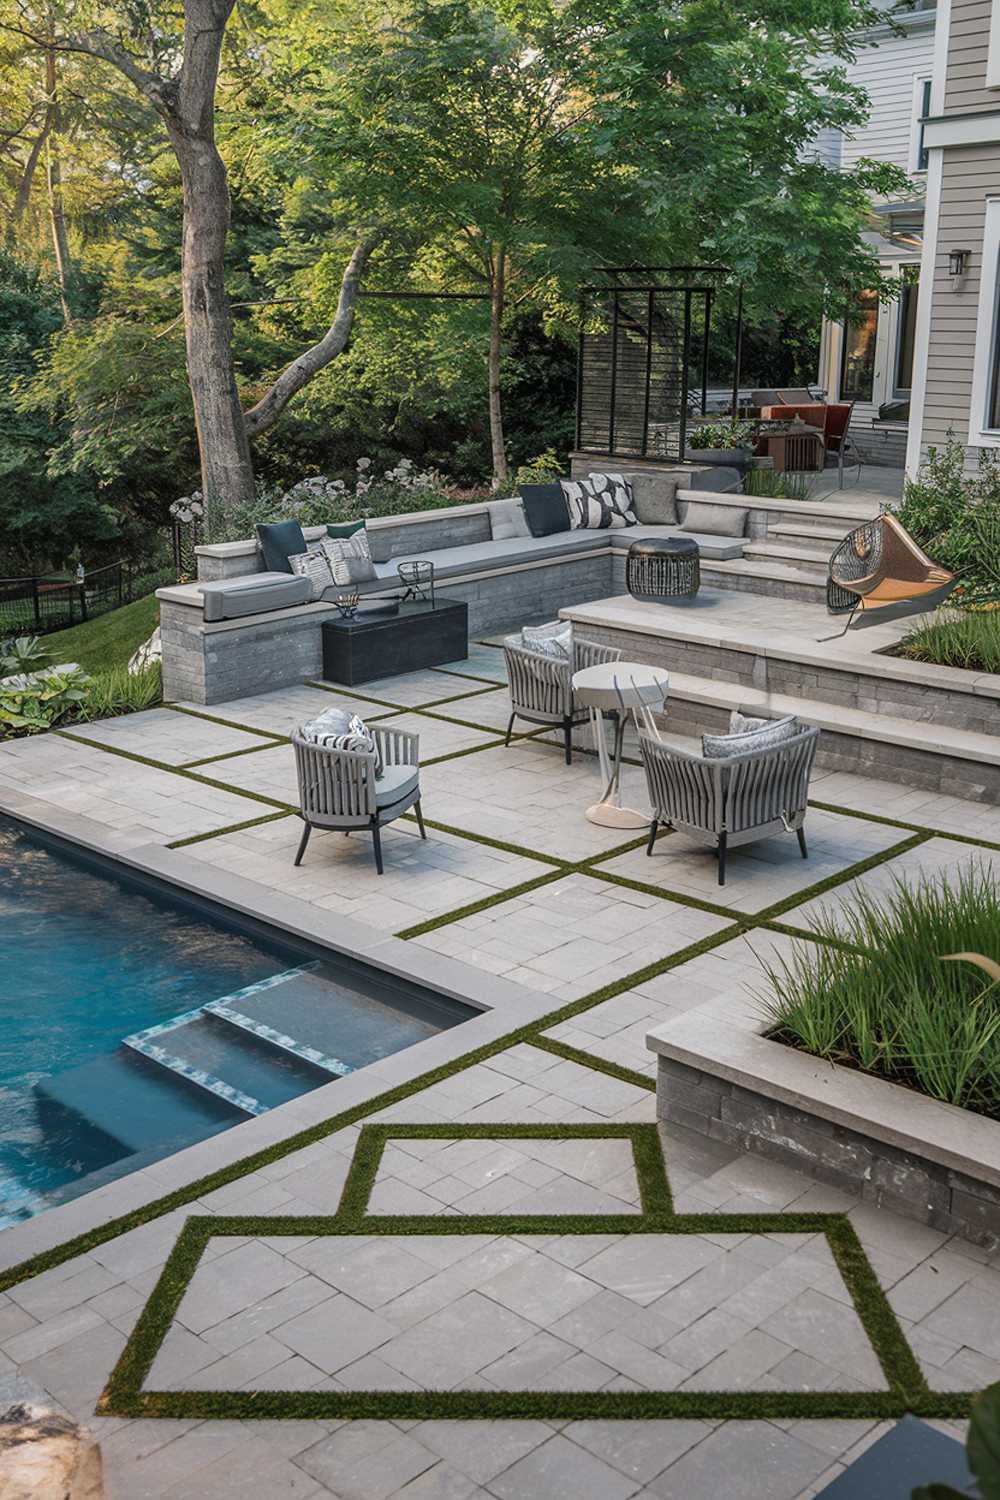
x,y
891,1146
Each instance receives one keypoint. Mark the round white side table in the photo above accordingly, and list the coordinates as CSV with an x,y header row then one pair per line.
x,y
617,689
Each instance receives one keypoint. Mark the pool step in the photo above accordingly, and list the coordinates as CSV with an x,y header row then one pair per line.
x,y
226,1050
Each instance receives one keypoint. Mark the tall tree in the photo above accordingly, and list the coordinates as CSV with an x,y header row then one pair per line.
x,y
522,142
177,71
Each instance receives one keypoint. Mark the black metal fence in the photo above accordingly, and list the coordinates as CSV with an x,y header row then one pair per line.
x,y
35,606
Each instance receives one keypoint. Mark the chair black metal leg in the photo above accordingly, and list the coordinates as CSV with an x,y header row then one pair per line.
x,y
420,819
722,859
510,726
377,840
568,740
307,830
802,842
653,827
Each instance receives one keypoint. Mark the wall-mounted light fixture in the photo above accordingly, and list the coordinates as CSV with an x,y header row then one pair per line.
x,y
958,265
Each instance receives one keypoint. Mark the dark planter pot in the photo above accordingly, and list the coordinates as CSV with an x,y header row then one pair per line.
x,y
729,458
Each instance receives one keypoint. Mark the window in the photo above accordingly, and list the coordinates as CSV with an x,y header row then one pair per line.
x,y
857,360
984,413
921,155
906,329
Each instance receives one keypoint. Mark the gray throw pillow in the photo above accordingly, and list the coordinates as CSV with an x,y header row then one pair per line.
x,y
338,729
715,520
315,566
350,558
507,519
554,639
655,497
774,732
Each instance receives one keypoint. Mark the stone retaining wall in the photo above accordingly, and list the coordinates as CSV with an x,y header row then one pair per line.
x,y
877,1172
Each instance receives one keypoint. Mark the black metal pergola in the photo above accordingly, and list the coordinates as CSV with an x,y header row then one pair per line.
x,y
643,358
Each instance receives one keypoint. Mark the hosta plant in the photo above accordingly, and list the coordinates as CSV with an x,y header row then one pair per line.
x,y
43,701
23,654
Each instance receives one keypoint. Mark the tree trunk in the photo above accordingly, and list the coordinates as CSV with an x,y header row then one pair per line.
x,y
226,468
57,216
27,180
497,303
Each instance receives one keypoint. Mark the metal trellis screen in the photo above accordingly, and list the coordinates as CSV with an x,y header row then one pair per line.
x,y
643,362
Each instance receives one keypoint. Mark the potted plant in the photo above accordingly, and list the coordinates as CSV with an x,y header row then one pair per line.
x,y
729,443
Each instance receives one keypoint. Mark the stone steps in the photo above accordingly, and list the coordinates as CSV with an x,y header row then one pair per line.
x,y
795,530
776,579
801,558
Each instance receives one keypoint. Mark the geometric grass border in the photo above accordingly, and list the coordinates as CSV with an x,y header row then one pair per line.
x,y
907,1391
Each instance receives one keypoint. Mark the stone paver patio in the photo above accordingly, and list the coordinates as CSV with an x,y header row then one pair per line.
x,y
428,1280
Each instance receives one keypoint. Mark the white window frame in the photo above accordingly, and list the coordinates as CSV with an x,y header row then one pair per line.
x,y
920,80
987,333
993,54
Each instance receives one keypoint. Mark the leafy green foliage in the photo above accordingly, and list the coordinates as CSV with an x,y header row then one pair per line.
x,y
969,639
44,700
781,485
23,654
879,993
955,516
722,435
119,691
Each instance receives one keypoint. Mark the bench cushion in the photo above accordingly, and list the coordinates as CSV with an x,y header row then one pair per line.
x,y
719,548
477,557
254,594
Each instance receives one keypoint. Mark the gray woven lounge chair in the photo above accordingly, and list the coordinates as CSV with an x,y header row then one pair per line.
x,y
338,789
541,687
730,801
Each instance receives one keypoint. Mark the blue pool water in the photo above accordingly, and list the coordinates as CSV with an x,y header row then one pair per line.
x,y
90,955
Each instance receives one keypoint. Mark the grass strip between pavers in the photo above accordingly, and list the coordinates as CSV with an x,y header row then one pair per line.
x,y
161,765
594,1061
201,838
647,1157
195,713
125,1395
934,833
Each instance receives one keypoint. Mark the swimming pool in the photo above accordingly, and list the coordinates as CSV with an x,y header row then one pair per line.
x,y
135,1020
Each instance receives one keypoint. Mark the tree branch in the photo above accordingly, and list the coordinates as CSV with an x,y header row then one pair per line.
x,y
100,43
267,410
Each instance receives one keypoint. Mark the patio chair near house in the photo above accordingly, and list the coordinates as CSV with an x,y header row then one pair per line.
x,y
730,801
879,573
339,791
541,686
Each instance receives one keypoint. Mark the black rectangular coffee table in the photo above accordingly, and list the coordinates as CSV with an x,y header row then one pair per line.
x,y
420,635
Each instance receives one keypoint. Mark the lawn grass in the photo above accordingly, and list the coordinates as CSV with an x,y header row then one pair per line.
x,y
957,638
108,641
891,989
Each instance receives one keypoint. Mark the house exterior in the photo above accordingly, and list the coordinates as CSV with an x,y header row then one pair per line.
x,y
869,358
956,383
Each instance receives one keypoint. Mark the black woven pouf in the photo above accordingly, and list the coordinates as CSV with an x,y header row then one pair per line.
x,y
664,569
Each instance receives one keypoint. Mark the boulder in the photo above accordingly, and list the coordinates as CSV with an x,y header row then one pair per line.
x,y
146,654
45,1456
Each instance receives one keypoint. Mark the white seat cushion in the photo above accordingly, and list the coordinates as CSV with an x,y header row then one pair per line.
x,y
395,783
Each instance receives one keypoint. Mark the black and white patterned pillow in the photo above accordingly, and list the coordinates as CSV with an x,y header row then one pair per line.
x,y
315,566
601,502
350,557
336,729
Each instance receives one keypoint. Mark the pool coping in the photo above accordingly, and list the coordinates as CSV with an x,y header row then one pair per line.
x,y
503,1006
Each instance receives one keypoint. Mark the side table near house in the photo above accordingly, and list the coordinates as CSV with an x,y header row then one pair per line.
x,y
666,568
420,634
618,689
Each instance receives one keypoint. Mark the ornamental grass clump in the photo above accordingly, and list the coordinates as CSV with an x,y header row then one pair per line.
x,y
957,638
907,988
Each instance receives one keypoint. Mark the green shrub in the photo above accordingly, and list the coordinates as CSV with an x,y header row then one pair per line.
x,y
968,638
23,654
47,698
119,691
781,486
955,516
727,434
883,993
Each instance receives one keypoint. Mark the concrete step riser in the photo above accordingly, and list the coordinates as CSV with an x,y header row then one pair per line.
x,y
814,563
776,588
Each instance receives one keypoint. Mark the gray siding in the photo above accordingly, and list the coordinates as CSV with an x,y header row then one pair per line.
x,y
970,175
965,85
